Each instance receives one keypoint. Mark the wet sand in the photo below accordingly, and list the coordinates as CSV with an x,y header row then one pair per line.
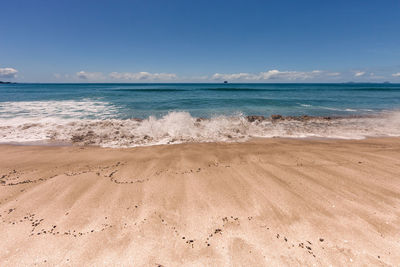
x,y
259,203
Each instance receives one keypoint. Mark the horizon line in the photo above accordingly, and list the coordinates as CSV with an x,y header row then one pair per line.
x,y
350,82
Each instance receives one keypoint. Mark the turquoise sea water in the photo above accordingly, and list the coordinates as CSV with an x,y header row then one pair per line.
x,y
102,113
205,100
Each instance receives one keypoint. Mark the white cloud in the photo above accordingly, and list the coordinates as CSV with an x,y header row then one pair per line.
x,y
90,75
8,73
289,75
333,74
359,73
142,76
396,74
274,74
234,76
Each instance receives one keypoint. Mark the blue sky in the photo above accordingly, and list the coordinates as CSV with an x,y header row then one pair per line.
x,y
200,41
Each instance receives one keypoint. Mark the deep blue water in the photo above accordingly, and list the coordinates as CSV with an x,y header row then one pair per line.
x,y
200,100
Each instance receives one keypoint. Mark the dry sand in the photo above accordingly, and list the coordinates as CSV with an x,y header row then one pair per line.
x,y
264,202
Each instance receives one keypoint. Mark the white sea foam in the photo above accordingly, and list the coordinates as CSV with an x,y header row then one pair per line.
x,y
181,127
57,109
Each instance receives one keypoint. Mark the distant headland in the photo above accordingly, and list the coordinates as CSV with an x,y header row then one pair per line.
x,y
1,82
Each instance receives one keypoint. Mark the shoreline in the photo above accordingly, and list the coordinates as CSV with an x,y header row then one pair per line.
x,y
181,127
51,143
277,201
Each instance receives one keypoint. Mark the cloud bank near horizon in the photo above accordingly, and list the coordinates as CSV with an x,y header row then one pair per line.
x,y
125,76
275,75
89,75
143,75
9,73
269,75
261,76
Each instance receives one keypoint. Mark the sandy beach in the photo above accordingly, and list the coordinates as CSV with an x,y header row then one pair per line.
x,y
265,202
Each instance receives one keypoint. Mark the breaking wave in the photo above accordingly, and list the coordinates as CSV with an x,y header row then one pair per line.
x,y
181,127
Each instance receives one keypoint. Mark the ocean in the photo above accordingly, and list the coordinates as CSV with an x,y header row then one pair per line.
x,y
128,115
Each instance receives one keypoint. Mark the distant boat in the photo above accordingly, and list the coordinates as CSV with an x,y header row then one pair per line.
x,y
225,81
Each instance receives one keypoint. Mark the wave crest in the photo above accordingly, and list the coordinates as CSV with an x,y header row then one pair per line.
x,y
181,127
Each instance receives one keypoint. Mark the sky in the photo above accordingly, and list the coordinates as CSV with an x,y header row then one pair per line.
x,y
200,41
